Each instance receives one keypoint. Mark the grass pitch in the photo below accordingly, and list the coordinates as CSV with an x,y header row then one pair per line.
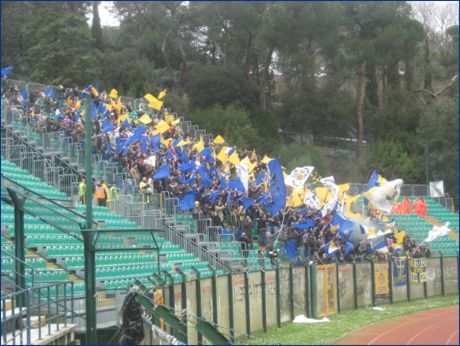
x,y
343,323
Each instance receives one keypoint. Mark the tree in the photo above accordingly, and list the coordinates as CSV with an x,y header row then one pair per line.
x,y
439,130
232,122
96,30
210,85
59,45
390,159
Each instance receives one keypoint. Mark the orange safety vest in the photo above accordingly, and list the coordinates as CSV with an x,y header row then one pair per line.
x,y
99,193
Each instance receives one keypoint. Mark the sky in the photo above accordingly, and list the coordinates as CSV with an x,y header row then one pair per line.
x,y
107,18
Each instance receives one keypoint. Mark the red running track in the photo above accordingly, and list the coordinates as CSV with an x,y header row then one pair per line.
x,y
431,327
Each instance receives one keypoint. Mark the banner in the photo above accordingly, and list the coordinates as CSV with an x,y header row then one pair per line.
x,y
400,271
418,270
437,188
381,280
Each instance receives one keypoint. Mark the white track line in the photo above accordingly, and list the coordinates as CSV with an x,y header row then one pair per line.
x,y
450,337
404,324
428,328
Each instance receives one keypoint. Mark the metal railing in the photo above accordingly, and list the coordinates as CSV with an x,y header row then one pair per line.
x,y
47,309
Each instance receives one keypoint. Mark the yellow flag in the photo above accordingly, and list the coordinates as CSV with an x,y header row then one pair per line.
x,y
176,122
165,141
113,94
156,105
296,201
145,119
222,156
169,118
162,94
254,155
122,118
153,102
94,91
266,159
400,237
182,143
234,158
219,140
118,105
108,106
162,126
199,146
68,101
78,104
248,164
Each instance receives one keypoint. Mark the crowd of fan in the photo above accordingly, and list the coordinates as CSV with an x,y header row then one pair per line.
x,y
223,208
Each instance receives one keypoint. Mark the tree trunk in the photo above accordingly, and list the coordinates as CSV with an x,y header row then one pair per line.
x,y
264,77
360,95
427,67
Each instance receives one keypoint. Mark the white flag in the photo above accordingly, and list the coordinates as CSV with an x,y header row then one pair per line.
x,y
242,172
311,200
437,232
437,188
329,183
298,176
384,197
150,161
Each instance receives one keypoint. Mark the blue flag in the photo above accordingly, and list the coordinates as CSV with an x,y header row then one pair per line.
x,y
277,188
120,146
260,178
291,250
187,201
236,185
24,95
184,167
214,196
347,248
126,124
206,152
373,181
247,202
190,181
345,226
49,92
303,225
155,142
6,71
101,108
136,135
107,126
163,172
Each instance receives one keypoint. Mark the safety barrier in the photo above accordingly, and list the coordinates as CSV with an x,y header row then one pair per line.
x,y
273,296
39,313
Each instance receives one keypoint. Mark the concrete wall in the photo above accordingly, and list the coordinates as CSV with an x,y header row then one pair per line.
x,y
345,289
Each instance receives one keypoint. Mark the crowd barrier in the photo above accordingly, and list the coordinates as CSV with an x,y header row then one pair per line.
x,y
244,303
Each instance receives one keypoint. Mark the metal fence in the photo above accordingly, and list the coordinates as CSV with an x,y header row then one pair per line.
x,y
39,313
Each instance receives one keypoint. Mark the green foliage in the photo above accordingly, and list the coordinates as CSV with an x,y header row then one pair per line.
x,y
391,160
249,70
439,129
96,30
232,122
210,85
59,44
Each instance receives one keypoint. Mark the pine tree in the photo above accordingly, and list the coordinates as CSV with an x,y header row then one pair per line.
x,y
96,30
60,47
